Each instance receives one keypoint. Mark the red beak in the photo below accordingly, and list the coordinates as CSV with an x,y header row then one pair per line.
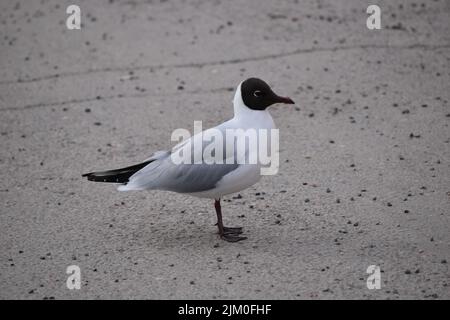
x,y
286,100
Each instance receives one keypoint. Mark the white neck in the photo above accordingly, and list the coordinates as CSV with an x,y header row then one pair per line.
x,y
239,107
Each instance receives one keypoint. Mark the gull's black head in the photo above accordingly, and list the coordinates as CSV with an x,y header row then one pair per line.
x,y
257,95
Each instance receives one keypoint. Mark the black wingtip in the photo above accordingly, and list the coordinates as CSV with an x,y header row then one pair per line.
x,y
115,176
90,176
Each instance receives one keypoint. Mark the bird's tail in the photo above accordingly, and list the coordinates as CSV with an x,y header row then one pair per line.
x,y
116,176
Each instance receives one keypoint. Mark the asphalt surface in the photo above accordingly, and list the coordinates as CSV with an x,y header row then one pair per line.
x,y
364,177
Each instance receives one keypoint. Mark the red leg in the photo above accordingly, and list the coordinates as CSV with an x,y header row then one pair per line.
x,y
227,234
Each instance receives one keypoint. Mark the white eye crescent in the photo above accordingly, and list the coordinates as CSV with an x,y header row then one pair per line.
x,y
257,93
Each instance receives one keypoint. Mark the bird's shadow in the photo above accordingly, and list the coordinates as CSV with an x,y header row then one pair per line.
x,y
165,236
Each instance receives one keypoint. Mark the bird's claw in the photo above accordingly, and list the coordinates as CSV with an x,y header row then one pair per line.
x,y
232,230
232,237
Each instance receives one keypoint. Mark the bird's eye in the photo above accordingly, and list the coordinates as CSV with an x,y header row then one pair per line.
x,y
257,93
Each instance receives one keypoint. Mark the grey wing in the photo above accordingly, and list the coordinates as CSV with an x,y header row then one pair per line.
x,y
164,174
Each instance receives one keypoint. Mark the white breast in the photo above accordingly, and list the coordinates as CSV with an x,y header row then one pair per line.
x,y
247,174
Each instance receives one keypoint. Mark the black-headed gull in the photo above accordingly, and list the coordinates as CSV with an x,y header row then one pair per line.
x,y
207,179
